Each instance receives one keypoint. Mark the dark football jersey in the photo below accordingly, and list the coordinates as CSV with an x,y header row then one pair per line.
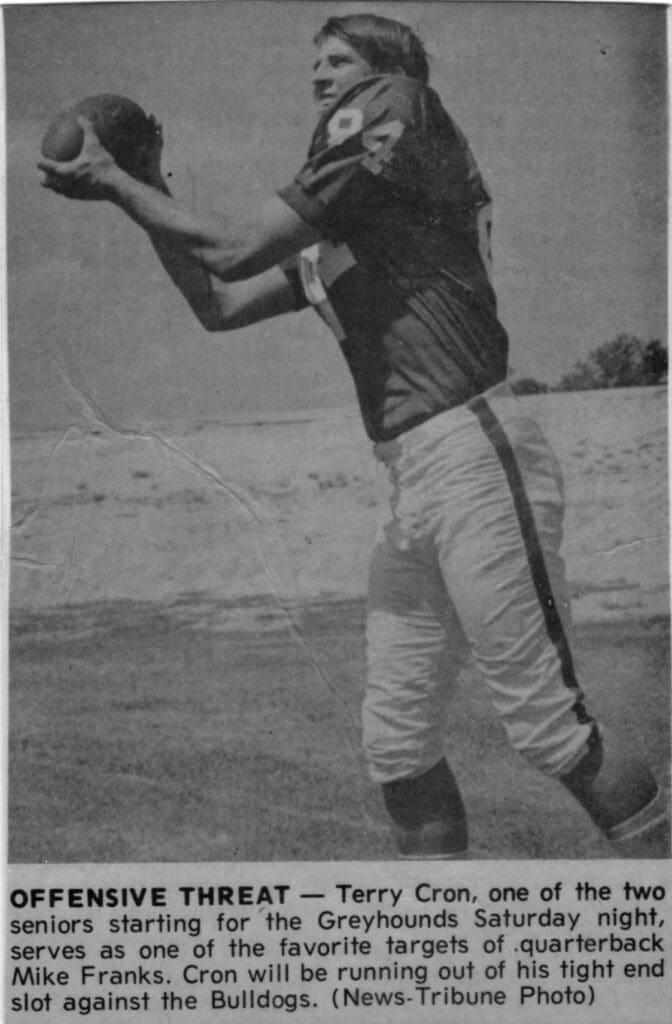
x,y
401,275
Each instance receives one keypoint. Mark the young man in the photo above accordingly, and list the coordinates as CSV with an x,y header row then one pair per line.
x,y
385,231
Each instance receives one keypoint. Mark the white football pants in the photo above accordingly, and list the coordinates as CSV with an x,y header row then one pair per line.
x,y
468,560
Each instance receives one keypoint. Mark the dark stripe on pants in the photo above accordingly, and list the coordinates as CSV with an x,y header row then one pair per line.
x,y
500,442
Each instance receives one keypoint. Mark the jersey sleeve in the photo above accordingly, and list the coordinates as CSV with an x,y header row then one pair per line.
x,y
366,144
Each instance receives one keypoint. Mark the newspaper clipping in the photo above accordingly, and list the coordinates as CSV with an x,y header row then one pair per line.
x,y
339,601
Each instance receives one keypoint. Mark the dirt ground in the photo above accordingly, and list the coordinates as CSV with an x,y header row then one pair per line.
x,y
167,732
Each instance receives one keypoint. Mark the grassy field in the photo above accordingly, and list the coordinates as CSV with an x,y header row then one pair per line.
x,y
187,655
147,731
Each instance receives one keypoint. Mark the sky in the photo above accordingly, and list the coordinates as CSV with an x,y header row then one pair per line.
x,y
564,109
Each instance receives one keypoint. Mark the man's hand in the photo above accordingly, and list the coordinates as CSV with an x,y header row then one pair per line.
x,y
88,176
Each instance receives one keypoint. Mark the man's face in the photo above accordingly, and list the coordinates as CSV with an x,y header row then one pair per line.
x,y
337,67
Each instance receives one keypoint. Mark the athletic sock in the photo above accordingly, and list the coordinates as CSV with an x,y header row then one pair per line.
x,y
428,814
621,795
647,833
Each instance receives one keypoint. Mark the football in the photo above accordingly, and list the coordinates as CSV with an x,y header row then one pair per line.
x,y
120,124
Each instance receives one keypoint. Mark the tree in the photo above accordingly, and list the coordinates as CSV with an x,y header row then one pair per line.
x,y
655,362
581,378
528,386
624,362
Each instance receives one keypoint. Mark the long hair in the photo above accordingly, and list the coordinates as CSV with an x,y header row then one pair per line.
x,y
385,44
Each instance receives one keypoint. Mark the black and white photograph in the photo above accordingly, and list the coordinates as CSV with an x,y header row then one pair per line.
x,y
337,344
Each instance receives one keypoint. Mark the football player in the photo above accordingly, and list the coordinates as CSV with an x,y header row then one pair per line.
x,y
385,231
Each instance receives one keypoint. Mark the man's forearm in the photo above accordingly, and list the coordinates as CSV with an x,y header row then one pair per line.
x,y
212,243
187,273
192,279
230,250
219,306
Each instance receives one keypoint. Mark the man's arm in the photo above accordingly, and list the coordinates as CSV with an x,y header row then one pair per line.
x,y
223,307
231,251
218,307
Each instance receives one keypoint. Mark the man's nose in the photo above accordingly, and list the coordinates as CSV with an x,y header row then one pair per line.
x,y
321,74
